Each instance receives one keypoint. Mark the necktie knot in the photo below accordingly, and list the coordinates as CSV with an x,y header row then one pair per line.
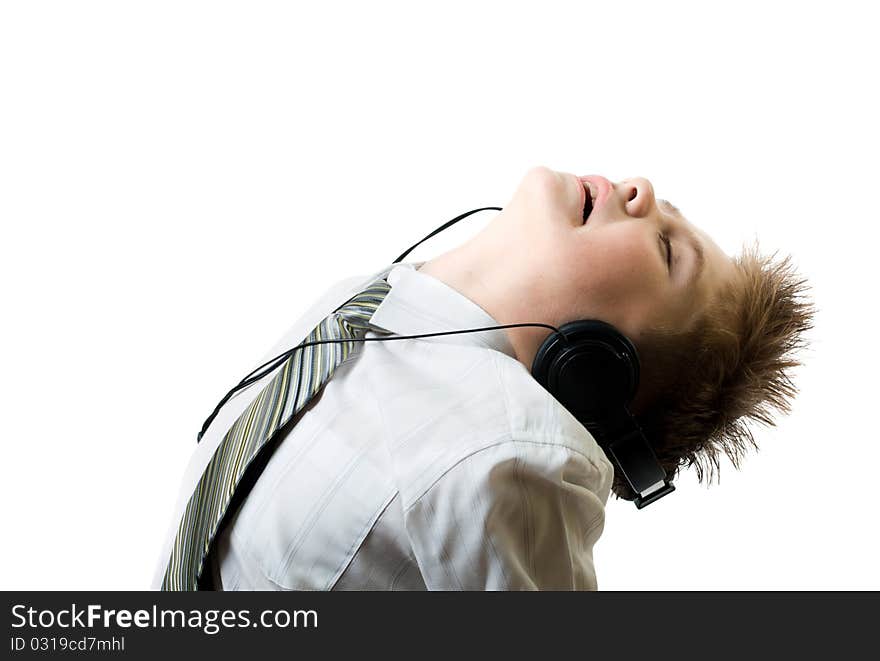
x,y
359,309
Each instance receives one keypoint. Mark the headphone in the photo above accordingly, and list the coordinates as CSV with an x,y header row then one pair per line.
x,y
589,367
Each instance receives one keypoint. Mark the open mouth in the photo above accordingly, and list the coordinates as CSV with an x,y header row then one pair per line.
x,y
590,200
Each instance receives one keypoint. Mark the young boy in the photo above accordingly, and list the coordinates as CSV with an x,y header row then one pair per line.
x,y
440,463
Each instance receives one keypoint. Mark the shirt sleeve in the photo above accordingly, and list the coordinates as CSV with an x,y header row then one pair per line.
x,y
518,515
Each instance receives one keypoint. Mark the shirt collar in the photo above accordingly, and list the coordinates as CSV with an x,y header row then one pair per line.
x,y
420,303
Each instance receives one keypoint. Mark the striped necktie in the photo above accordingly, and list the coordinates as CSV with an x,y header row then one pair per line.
x,y
299,378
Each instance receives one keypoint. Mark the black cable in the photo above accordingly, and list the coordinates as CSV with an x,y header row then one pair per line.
x,y
443,227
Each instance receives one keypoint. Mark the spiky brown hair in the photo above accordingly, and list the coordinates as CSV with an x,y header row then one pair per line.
x,y
731,368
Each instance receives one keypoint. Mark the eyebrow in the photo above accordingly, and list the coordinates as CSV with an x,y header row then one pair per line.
x,y
694,243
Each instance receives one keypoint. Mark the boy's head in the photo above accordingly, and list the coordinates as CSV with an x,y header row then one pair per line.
x,y
714,333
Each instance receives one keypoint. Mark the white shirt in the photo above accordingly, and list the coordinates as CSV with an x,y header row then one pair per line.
x,y
432,463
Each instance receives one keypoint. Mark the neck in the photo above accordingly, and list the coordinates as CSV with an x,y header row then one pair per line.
x,y
485,270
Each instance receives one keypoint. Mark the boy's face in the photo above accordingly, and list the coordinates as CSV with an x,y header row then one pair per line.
x,y
614,266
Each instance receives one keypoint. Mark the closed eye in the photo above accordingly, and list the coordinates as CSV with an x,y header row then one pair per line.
x,y
668,245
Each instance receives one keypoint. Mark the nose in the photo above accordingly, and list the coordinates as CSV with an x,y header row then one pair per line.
x,y
638,196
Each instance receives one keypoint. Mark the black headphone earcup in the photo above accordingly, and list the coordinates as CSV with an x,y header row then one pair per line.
x,y
590,367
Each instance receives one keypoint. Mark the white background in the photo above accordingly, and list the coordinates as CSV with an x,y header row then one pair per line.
x,y
179,181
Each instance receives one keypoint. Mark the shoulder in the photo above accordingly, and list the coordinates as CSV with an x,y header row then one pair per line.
x,y
522,512
536,417
502,426
447,405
